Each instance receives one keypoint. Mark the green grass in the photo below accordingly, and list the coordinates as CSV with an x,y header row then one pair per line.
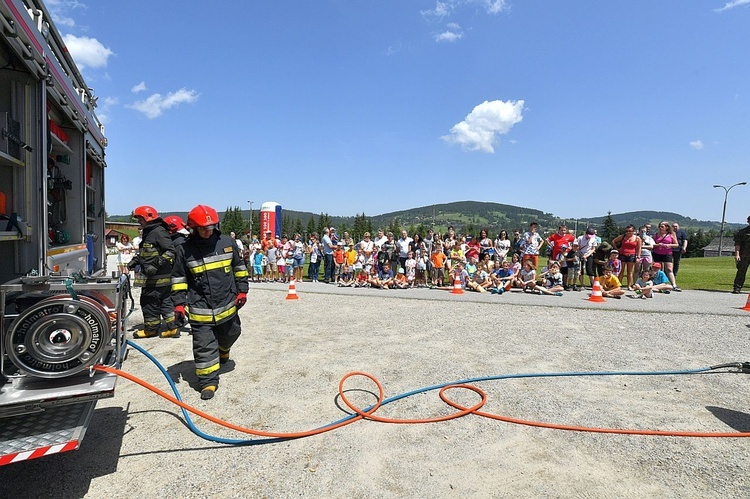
x,y
709,274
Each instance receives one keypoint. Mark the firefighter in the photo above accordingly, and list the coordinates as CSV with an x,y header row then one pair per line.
x,y
210,281
178,232
177,229
155,257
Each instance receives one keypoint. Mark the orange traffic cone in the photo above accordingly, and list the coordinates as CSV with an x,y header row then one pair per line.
x,y
292,295
747,305
457,289
596,292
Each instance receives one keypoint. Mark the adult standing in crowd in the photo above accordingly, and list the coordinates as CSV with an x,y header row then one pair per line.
x,y
665,241
403,245
629,245
502,246
681,249
587,244
328,247
125,252
741,256
316,255
517,244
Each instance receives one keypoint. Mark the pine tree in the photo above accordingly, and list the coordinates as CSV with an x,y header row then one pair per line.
x,y
311,227
611,230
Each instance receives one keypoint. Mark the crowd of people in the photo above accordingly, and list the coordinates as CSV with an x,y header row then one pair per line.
x,y
641,260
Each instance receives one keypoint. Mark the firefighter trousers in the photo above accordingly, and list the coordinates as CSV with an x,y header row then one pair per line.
x,y
209,340
157,303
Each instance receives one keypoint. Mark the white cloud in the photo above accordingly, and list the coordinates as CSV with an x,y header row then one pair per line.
x,y
697,144
87,52
733,4
155,105
453,33
494,6
447,7
59,9
479,131
441,9
139,88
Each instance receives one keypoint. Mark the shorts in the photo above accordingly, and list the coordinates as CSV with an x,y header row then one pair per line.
x,y
662,258
273,266
257,269
289,270
627,258
646,260
299,262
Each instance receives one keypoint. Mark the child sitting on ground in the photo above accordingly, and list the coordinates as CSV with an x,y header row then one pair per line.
x,y
643,286
362,278
660,280
611,287
553,281
400,281
527,276
345,279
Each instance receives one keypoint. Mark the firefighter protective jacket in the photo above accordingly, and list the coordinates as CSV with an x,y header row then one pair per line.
x,y
208,274
155,255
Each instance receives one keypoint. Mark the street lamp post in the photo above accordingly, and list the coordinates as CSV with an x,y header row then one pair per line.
x,y
251,221
724,211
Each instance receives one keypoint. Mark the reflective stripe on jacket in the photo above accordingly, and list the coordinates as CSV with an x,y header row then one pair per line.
x,y
208,274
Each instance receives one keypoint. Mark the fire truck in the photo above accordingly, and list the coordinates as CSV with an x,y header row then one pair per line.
x,y
61,312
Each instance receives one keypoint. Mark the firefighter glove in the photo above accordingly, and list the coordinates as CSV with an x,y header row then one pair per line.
x,y
180,318
150,270
241,300
134,263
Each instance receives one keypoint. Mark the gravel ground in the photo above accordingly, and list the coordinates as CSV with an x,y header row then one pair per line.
x,y
287,365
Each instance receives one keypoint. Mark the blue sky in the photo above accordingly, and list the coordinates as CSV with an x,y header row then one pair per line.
x,y
575,108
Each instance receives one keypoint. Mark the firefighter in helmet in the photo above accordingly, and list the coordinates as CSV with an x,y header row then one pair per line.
x,y
210,280
155,257
177,229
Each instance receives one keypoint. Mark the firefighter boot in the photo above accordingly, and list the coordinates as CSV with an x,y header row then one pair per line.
x,y
171,333
223,356
141,333
207,393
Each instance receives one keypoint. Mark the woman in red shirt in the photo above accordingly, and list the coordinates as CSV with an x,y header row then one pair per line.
x,y
630,249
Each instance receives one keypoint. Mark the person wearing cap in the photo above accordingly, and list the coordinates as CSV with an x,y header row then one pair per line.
x,y
660,279
741,257
613,262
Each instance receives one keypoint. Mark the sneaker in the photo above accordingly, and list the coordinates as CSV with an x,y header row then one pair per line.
x,y
675,288
617,297
665,291
559,293
643,297
208,392
171,333
735,291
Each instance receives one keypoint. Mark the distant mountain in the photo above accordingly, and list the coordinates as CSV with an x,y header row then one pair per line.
x,y
492,216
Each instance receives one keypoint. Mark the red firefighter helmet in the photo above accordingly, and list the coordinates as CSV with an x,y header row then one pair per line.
x,y
175,223
148,213
202,216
